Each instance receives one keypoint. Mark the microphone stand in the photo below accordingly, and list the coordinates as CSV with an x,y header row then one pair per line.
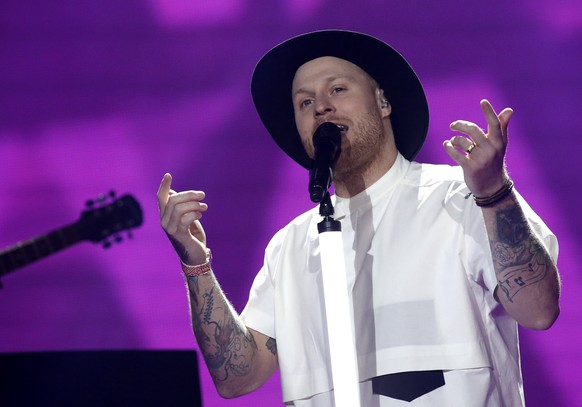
x,y
340,324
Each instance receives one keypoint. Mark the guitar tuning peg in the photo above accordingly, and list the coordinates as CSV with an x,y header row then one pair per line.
x,y
106,244
129,234
118,238
100,199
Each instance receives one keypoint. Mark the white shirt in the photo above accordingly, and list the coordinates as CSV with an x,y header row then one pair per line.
x,y
421,280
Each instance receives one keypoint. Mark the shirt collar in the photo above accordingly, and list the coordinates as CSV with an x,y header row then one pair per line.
x,y
368,197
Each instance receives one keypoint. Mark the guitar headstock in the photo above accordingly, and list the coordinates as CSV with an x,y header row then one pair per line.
x,y
103,220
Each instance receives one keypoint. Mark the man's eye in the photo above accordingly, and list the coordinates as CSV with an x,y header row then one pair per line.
x,y
338,89
306,102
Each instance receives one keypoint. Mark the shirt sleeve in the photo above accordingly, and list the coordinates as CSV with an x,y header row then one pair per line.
x,y
543,232
259,312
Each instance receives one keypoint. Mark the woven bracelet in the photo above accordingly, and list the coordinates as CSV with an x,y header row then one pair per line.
x,y
497,196
195,271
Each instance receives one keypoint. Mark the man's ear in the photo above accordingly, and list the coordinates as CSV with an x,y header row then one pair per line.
x,y
384,104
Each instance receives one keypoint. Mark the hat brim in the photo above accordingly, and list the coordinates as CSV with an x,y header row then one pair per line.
x,y
272,80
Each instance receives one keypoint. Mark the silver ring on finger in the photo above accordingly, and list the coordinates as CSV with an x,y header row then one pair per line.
x,y
471,147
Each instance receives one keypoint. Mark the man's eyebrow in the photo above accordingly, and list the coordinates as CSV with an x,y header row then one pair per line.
x,y
298,91
329,79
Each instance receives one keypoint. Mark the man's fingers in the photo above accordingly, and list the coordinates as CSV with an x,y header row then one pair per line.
x,y
504,118
462,143
488,111
182,209
164,191
493,125
496,124
179,210
475,132
505,115
496,132
453,152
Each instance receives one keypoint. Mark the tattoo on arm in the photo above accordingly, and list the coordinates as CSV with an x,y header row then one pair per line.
x,y
519,258
180,249
226,345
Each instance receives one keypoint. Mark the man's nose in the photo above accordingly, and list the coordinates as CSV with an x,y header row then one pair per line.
x,y
323,106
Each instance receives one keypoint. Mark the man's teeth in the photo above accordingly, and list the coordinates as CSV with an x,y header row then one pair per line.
x,y
342,127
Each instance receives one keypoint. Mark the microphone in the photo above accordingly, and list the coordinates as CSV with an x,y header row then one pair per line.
x,y
327,145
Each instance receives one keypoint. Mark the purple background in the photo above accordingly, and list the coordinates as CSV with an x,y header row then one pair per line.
x,y
111,94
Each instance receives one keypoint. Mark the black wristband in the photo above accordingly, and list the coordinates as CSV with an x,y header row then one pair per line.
x,y
497,196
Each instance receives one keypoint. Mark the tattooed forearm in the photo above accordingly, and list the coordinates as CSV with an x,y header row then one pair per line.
x,y
518,257
226,345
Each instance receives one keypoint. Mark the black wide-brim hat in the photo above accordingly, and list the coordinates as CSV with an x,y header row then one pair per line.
x,y
273,77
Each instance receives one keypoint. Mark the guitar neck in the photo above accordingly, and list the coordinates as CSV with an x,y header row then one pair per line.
x,y
34,249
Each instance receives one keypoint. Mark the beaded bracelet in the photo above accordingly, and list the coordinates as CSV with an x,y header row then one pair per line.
x,y
497,196
195,271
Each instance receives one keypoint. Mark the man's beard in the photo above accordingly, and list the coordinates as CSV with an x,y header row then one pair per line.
x,y
366,141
